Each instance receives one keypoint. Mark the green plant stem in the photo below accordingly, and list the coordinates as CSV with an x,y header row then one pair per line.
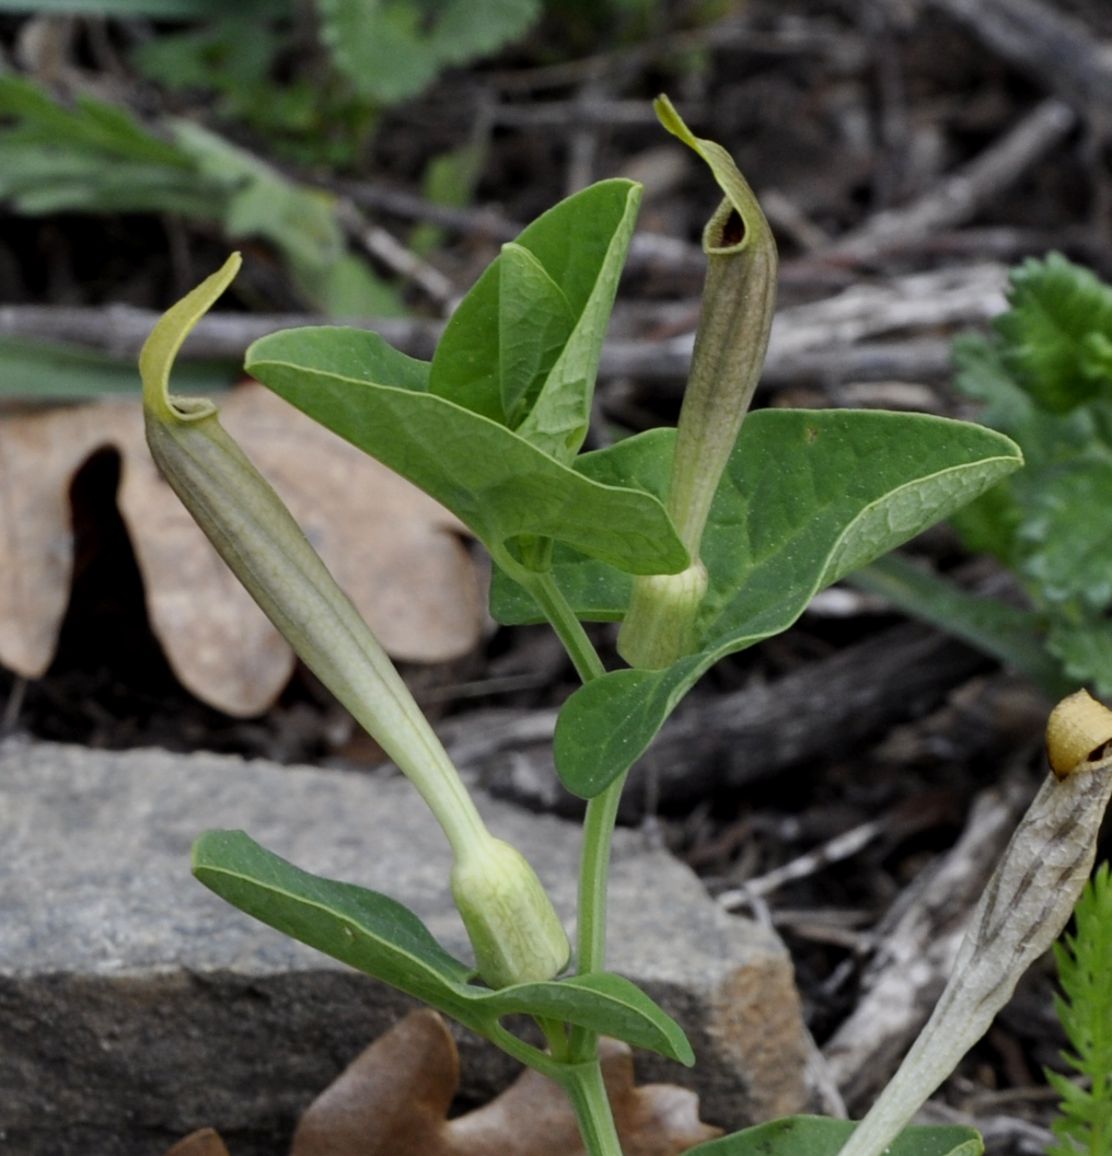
x,y
594,871
602,811
594,878
550,598
586,1090
556,1035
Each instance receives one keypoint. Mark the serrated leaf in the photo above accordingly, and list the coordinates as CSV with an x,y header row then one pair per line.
x,y
378,46
1085,1122
807,497
822,1136
980,373
1054,308
1084,650
392,49
565,292
362,928
602,1001
990,524
496,482
468,29
1064,536
1009,633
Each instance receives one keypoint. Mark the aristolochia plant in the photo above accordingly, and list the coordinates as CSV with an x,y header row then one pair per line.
x,y
704,539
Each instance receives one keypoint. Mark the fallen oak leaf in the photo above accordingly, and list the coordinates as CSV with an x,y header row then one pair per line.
x,y
204,1142
393,1100
399,555
533,1117
40,451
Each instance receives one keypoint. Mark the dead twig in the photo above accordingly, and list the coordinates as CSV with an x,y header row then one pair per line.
x,y
792,37
384,247
825,341
842,846
917,944
960,196
1056,49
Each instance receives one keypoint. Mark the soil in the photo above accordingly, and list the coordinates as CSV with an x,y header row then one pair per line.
x,y
837,112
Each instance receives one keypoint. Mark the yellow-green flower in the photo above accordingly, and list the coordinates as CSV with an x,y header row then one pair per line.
x,y
516,934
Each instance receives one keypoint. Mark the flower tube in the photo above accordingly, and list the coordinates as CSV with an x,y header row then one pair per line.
x,y
516,934
730,345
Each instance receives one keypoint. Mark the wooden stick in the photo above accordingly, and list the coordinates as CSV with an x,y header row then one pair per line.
x,y
917,946
960,196
1056,49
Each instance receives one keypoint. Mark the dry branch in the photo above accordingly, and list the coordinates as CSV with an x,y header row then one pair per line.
x,y
917,947
826,341
1056,49
824,711
960,196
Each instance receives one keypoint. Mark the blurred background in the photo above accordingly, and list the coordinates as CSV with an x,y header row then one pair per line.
x,y
369,158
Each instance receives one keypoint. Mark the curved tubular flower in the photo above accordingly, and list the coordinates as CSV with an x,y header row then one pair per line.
x,y
1026,904
497,891
739,297
730,344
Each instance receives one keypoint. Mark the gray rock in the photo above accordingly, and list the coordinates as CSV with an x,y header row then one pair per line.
x,y
136,1006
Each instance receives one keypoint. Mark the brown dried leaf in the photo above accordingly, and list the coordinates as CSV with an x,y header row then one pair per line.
x,y
399,555
202,1143
394,1098
39,453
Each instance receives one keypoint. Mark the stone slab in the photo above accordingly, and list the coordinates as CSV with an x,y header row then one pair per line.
x,y
136,1006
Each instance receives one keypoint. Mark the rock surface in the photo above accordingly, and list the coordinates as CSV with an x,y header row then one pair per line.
x,y
136,1006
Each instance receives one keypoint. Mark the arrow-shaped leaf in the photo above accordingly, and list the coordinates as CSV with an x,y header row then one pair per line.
x,y
494,480
807,497
379,936
523,346
362,928
602,1001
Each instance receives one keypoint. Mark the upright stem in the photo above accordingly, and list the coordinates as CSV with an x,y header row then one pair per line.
x,y
594,880
602,811
568,628
594,871
584,1086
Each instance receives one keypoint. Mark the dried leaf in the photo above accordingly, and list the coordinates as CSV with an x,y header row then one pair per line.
x,y
39,454
393,1100
202,1143
399,555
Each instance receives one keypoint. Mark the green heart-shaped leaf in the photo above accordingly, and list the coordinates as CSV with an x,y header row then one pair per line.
x,y
379,936
596,592
495,481
523,346
365,929
821,1136
807,497
602,1001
